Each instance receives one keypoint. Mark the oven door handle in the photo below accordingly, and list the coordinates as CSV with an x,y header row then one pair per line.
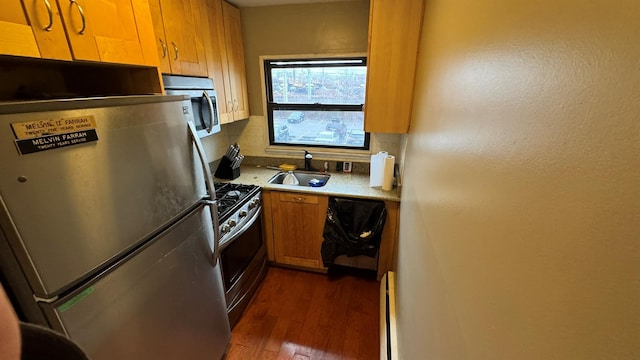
x,y
211,191
211,111
244,228
213,205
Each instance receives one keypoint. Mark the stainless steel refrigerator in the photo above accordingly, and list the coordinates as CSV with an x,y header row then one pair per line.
x,y
108,228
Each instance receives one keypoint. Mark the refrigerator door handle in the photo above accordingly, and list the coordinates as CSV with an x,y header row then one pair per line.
x,y
203,160
214,220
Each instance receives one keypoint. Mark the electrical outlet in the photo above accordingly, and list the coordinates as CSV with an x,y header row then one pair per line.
x,y
346,166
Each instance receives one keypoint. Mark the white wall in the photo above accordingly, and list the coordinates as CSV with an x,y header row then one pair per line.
x,y
520,215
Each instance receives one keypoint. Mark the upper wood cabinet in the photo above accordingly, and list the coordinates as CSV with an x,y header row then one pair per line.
x,y
48,30
37,33
225,60
238,101
179,32
394,35
79,29
16,35
216,51
115,31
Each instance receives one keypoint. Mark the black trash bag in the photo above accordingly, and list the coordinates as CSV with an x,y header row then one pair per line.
x,y
352,227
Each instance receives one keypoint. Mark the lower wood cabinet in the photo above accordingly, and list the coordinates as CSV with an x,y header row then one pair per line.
x,y
293,228
298,221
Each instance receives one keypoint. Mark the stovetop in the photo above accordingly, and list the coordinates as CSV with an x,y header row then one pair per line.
x,y
232,196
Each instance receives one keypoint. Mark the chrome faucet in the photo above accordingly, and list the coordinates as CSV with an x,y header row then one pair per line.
x,y
307,161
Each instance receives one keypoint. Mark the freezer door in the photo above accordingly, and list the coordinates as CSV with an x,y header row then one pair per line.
x,y
166,302
75,209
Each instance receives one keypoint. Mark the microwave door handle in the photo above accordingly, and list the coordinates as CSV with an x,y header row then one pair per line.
x,y
216,235
211,191
201,122
211,111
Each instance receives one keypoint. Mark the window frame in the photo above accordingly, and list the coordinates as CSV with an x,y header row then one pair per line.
x,y
271,106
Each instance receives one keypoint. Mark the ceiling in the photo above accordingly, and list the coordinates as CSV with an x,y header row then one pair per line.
x,y
246,3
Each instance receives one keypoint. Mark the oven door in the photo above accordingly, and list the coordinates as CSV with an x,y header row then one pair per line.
x,y
244,264
205,110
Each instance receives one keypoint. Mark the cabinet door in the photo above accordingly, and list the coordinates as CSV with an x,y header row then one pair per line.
x,y
298,221
235,55
387,257
217,65
47,27
146,34
162,46
16,36
184,39
103,30
394,34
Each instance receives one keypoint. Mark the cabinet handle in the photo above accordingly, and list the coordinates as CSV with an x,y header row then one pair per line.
x,y
48,5
235,104
298,199
164,48
175,48
81,11
229,105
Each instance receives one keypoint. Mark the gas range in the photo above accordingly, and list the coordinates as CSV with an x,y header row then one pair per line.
x,y
237,205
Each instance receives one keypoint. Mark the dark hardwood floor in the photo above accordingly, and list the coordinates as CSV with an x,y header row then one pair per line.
x,y
301,315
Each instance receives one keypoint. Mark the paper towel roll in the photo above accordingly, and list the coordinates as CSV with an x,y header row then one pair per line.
x,y
387,176
376,166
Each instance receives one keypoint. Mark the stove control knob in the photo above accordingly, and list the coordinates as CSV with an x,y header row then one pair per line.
x,y
242,213
252,205
231,222
225,229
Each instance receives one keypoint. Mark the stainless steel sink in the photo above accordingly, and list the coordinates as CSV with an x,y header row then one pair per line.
x,y
304,178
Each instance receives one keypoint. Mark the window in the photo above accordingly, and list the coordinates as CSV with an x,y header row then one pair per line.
x,y
316,102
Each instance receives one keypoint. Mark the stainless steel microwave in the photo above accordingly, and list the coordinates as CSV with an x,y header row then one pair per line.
x,y
203,100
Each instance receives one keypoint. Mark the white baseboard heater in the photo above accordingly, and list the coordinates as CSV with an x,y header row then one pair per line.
x,y
388,332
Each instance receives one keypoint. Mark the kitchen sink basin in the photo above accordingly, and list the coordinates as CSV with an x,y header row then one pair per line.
x,y
305,178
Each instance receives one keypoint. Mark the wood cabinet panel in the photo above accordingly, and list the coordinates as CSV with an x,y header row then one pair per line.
x,y
38,29
225,60
16,36
387,252
114,31
160,38
178,31
239,101
107,30
394,35
267,216
146,33
298,222
217,63
48,29
33,28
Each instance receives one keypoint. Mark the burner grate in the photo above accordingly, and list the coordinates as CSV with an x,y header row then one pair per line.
x,y
230,196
